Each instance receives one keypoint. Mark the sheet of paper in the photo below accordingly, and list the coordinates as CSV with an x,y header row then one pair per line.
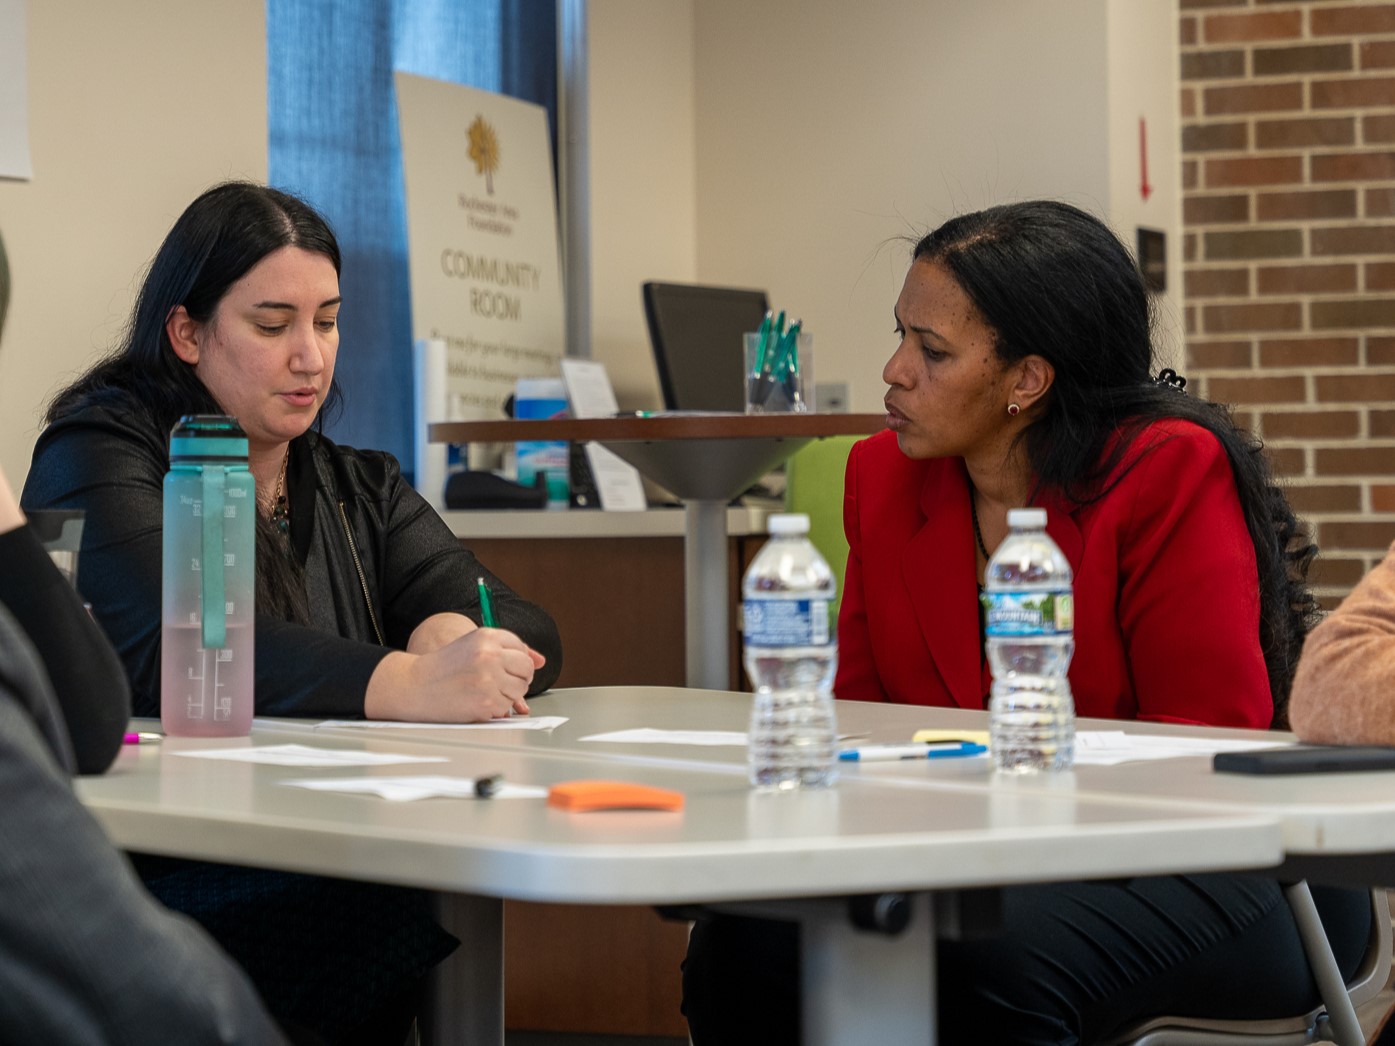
x,y
1108,747
644,735
513,722
406,789
590,395
307,755
618,484
589,391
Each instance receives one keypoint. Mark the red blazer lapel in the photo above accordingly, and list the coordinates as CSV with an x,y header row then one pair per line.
x,y
938,569
1062,526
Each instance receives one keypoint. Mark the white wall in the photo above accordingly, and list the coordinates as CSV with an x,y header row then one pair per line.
x,y
642,175
1143,84
785,144
135,107
824,133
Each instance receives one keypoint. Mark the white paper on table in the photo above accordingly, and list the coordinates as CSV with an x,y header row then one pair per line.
x,y
1108,747
406,789
513,722
645,735
306,755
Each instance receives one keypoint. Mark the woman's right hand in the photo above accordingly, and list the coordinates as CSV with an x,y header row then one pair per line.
x,y
482,675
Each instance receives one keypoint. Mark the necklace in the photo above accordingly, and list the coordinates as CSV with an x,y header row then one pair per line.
x,y
280,514
973,513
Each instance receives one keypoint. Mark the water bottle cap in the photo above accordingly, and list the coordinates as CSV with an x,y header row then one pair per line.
x,y
208,438
788,523
1027,517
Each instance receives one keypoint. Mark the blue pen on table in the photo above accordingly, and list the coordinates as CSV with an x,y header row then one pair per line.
x,y
922,750
486,605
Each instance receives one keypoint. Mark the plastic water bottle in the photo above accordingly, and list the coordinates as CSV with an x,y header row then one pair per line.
x,y
209,581
791,654
1029,618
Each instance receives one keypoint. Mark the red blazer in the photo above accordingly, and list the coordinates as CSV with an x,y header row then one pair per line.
x,y
1166,590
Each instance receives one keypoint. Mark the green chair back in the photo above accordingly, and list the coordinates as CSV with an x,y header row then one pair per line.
x,y
814,486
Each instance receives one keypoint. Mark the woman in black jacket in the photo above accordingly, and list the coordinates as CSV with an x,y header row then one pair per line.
x,y
367,605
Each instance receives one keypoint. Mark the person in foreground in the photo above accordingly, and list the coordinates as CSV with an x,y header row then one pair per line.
x,y
73,908
1022,376
367,605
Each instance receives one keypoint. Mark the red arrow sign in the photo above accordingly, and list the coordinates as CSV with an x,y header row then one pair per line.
x,y
1144,187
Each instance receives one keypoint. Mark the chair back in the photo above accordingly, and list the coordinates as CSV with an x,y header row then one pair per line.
x,y
814,486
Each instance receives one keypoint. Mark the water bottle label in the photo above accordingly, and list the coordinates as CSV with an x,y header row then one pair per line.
x,y
1028,613
787,622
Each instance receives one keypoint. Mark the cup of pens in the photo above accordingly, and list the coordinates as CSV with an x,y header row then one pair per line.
x,y
779,367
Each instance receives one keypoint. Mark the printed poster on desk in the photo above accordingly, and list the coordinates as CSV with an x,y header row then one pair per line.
x,y
482,249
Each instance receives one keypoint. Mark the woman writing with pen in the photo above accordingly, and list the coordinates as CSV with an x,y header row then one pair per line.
x,y
367,605
1022,375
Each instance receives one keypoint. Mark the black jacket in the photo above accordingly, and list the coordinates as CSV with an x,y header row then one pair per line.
x,y
377,561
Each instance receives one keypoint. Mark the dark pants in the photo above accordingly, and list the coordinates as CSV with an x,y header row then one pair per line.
x,y
1074,963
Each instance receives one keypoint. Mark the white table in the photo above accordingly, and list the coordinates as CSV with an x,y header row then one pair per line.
x,y
1327,819
728,845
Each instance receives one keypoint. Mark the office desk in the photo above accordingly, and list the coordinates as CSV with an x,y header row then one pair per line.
x,y
727,846
703,459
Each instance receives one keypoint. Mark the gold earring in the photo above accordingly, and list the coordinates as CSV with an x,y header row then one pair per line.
x,y
1013,410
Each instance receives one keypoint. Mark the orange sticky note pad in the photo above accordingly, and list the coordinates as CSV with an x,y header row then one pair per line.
x,y
612,795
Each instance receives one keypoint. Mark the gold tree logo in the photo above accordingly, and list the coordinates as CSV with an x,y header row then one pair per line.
x,y
484,150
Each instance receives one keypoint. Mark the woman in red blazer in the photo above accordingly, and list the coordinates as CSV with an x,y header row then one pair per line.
x,y
1022,376
1167,608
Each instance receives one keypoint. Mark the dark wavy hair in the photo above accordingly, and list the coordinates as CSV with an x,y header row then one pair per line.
x,y
226,231
1054,281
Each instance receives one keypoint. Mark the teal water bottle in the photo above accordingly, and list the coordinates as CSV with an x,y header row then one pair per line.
x,y
209,581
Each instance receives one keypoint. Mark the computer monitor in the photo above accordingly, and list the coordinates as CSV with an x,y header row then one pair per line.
x,y
696,334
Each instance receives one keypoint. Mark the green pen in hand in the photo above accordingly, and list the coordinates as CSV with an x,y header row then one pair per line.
x,y
486,605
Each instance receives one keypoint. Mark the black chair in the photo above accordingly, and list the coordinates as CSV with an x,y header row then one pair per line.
x,y
1333,1021
696,333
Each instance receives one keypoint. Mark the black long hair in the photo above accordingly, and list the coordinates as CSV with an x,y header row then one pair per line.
x,y
1054,281
214,243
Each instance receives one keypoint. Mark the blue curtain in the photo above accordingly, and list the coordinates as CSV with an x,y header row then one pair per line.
x,y
332,116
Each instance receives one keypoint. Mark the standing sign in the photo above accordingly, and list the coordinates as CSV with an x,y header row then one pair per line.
x,y
482,247
14,100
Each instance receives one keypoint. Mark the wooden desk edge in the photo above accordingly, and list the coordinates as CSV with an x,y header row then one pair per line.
x,y
660,427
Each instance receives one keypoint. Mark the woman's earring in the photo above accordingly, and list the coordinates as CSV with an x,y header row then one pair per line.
x,y
1013,410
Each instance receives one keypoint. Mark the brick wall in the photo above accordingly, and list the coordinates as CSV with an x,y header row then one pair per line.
x,y
1288,177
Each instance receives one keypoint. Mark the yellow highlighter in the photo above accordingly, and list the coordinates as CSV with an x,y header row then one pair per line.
x,y
978,737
